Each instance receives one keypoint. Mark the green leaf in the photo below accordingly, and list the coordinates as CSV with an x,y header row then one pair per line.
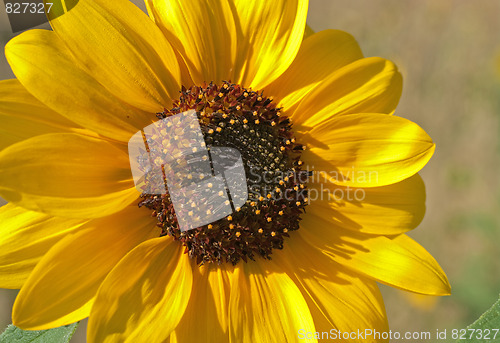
x,y
14,334
488,323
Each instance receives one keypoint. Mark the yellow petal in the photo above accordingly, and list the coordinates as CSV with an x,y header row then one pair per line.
x,y
67,175
338,298
45,67
266,305
145,295
370,84
62,287
270,37
122,49
319,56
202,31
206,317
396,260
367,150
23,116
25,237
387,210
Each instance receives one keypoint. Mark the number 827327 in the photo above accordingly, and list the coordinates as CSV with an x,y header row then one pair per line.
x,y
27,7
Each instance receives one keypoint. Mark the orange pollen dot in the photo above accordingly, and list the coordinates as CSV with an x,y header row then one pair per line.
x,y
238,234
261,198
297,203
218,129
221,95
269,219
269,196
210,226
285,230
257,211
273,233
210,131
231,226
257,121
229,218
260,230
280,213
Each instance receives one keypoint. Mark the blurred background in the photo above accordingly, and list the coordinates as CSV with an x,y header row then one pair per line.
x,y
449,54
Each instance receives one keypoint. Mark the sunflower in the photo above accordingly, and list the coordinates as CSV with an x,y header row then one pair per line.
x,y
79,240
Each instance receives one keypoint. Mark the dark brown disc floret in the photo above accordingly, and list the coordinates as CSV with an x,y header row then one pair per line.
x,y
232,116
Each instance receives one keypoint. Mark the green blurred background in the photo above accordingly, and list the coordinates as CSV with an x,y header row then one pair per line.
x,y
449,54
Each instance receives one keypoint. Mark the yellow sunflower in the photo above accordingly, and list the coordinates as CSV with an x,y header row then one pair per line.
x,y
75,241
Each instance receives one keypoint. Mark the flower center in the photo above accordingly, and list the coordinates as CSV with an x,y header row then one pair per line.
x,y
235,117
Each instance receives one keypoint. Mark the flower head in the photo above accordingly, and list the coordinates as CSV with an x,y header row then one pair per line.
x,y
306,249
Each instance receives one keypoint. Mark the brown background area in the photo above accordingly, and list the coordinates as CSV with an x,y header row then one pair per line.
x,y
448,52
